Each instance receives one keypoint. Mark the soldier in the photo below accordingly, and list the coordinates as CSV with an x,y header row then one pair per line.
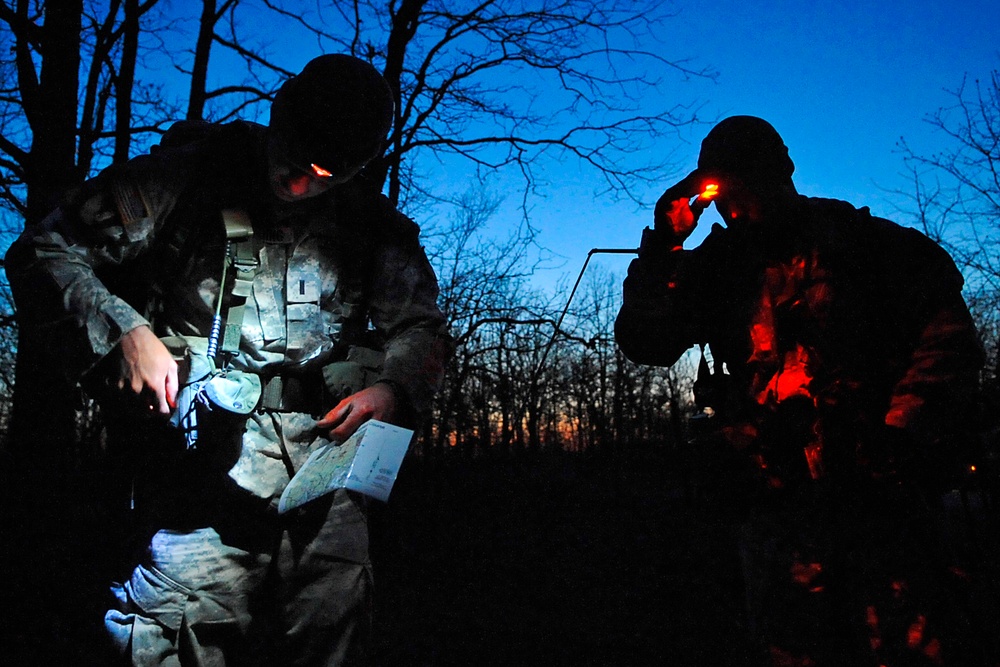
x,y
845,365
276,231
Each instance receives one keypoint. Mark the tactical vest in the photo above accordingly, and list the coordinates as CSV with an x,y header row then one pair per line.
x,y
356,364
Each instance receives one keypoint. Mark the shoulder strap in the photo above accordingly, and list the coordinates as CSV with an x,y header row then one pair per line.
x,y
241,257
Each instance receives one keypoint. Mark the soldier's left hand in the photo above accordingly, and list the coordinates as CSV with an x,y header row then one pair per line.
x,y
375,402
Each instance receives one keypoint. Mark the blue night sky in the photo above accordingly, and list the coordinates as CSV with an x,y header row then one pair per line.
x,y
841,81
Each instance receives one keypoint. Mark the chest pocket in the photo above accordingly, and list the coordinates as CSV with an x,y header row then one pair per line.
x,y
307,280
268,290
298,309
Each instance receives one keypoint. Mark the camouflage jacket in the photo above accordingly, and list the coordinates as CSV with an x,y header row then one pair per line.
x,y
143,243
829,323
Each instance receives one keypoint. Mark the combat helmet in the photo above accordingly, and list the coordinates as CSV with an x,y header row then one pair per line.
x,y
335,114
749,147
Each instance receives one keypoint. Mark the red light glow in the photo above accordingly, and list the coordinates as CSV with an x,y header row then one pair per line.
x,y
320,171
805,574
915,635
874,633
933,651
814,458
710,191
298,185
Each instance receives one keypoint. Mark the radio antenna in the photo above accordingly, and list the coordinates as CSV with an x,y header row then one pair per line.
x,y
555,332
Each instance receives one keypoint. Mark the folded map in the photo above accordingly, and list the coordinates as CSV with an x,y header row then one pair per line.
x,y
368,463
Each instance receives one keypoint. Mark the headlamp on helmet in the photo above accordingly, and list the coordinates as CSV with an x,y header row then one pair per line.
x,y
333,117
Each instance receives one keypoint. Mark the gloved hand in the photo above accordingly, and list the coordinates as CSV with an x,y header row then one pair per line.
x,y
674,216
378,401
673,221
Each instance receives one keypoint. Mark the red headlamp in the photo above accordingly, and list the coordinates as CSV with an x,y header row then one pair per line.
x,y
710,191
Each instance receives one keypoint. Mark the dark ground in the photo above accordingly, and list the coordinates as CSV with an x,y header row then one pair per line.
x,y
553,560
527,559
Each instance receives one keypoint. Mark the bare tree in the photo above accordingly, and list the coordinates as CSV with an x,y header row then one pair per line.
x,y
492,85
47,96
501,85
484,296
228,24
35,174
74,105
626,404
956,197
512,83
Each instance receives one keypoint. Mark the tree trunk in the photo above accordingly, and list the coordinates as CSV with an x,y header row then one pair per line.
x,y
199,71
52,111
126,78
40,476
43,410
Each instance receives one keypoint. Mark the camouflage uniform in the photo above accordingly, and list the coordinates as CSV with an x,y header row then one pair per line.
x,y
845,363
143,243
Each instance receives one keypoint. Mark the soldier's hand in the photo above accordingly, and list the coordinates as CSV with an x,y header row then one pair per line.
x,y
375,402
148,371
673,214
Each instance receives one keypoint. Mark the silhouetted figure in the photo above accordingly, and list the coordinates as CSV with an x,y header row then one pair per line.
x,y
845,373
276,232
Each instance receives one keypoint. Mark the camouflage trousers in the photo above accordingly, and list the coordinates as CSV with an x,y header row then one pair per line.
x,y
247,587
862,578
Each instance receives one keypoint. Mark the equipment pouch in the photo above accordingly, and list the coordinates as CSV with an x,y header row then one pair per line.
x,y
211,402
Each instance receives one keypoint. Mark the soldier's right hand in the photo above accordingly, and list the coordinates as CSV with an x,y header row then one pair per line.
x,y
148,371
673,214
